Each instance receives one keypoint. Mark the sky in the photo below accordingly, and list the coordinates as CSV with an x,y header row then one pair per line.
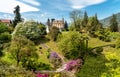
x,y
41,10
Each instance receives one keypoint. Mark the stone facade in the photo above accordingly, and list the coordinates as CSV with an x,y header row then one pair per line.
x,y
57,23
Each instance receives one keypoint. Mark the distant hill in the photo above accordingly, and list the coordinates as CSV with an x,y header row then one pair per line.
x,y
106,21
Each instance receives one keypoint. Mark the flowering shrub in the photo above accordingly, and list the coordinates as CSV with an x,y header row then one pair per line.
x,y
42,75
51,75
72,64
54,55
55,59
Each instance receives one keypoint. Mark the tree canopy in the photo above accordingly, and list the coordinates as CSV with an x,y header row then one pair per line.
x,y
30,29
71,44
76,16
114,24
22,50
17,17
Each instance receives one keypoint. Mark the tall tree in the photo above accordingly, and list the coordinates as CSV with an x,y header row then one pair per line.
x,y
17,17
114,24
76,16
85,19
48,22
96,21
54,31
22,49
66,25
94,25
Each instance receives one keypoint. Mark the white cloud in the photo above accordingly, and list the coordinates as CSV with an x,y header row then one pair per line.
x,y
7,6
78,4
33,2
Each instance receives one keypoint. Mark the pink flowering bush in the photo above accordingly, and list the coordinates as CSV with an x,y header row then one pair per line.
x,y
42,75
72,64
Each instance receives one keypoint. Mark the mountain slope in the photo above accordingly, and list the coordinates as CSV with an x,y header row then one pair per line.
x,y
106,21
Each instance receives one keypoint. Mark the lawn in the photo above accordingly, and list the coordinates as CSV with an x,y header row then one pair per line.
x,y
95,42
53,46
106,64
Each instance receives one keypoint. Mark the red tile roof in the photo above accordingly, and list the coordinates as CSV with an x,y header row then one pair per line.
x,y
7,21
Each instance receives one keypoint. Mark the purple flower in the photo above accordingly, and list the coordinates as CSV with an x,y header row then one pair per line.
x,y
54,55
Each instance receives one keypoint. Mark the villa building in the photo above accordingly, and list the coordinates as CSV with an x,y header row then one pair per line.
x,y
57,23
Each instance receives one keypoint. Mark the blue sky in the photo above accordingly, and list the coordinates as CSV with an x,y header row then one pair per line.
x,y
41,10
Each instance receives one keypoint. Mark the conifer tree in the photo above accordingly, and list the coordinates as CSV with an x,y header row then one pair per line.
x,y
114,24
85,19
66,25
17,17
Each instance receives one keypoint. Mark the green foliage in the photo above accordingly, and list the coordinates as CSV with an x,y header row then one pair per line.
x,y
106,64
118,43
5,37
93,25
3,28
8,70
17,17
104,35
23,50
114,24
85,19
98,50
54,31
93,67
114,35
72,44
42,66
66,26
33,64
42,28
30,29
72,27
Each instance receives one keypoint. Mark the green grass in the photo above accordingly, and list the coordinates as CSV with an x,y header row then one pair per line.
x,y
42,55
94,42
106,64
53,46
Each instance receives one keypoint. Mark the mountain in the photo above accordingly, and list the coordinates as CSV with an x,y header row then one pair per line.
x,y
106,21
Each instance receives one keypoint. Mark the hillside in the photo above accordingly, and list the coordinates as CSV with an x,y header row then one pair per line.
x,y
106,21
105,64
